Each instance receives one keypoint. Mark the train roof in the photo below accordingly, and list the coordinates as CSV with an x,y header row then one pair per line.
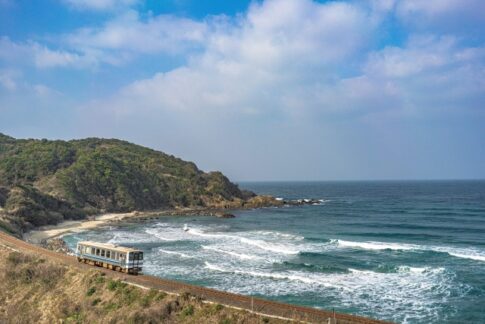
x,y
109,246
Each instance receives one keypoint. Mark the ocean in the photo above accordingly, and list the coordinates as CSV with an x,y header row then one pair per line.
x,y
405,251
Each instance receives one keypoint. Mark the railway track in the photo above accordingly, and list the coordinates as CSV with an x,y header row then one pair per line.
x,y
259,305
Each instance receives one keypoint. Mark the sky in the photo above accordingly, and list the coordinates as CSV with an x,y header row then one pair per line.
x,y
260,90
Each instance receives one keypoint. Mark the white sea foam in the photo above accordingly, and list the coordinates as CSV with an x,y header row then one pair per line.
x,y
264,245
272,247
161,234
277,235
464,253
467,256
269,275
238,255
124,237
209,235
211,266
375,245
183,255
408,284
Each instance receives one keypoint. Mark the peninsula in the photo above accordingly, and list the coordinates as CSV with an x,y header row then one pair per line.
x,y
44,182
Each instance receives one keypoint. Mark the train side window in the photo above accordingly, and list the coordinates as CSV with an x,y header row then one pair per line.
x,y
102,253
122,256
97,251
108,254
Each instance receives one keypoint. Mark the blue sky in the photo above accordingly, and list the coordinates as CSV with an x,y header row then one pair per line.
x,y
261,90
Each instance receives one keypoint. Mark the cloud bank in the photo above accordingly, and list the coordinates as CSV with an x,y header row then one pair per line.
x,y
381,80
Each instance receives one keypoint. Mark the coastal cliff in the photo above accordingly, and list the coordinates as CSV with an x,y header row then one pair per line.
x,y
44,182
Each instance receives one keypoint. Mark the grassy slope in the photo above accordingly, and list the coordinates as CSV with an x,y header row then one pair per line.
x,y
34,290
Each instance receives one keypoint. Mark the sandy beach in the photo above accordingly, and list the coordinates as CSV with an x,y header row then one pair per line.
x,y
51,231
75,226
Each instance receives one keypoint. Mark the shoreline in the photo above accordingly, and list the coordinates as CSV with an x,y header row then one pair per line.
x,y
47,232
44,233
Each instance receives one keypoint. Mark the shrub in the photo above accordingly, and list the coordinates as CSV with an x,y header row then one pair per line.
x,y
16,258
185,295
99,279
128,295
91,291
161,295
96,302
111,306
115,285
148,298
188,311
28,270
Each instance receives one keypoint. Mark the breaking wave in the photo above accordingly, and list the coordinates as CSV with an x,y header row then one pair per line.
x,y
464,253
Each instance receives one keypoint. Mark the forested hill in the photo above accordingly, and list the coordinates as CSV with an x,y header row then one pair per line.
x,y
44,182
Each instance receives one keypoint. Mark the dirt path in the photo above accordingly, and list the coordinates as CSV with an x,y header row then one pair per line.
x,y
233,300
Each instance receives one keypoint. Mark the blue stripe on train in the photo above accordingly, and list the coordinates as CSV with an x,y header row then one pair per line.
x,y
95,257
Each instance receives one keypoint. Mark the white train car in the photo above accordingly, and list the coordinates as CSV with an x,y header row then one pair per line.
x,y
110,256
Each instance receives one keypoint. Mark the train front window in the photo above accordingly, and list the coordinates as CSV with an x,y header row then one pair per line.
x,y
130,255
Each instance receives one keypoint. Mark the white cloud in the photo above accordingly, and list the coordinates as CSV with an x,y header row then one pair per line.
x,y
455,16
127,33
9,79
285,58
261,62
116,43
33,53
47,58
433,8
432,74
100,5
42,90
422,53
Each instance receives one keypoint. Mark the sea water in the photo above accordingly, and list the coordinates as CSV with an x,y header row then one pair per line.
x,y
410,252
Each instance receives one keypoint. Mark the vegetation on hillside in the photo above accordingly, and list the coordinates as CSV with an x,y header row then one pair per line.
x,y
35,290
44,182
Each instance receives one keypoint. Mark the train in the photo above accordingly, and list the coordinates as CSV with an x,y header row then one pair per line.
x,y
110,256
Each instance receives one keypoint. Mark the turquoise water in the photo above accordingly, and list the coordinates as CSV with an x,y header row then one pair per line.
x,y
411,252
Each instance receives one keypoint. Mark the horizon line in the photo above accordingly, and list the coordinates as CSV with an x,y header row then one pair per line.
x,y
366,180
